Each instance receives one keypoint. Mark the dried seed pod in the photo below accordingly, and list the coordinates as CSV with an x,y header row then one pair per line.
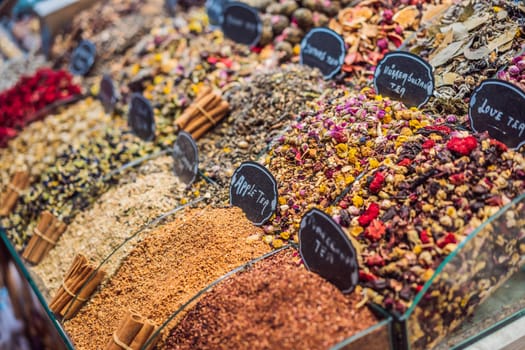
x,y
293,35
304,18
279,23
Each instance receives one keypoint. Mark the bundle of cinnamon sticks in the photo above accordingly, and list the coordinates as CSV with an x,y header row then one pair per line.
x,y
19,182
79,283
45,236
204,113
133,332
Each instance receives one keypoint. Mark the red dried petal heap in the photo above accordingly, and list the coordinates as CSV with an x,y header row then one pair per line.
x,y
31,94
462,146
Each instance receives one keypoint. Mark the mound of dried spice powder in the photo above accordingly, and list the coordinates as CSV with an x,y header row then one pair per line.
x,y
166,269
37,146
274,304
327,148
73,182
414,209
261,107
139,198
19,104
471,42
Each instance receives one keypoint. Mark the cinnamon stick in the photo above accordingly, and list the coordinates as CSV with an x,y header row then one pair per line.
x,y
19,183
204,128
132,333
48,230
205,90
129,327
206,103
143,336
80,282
216,115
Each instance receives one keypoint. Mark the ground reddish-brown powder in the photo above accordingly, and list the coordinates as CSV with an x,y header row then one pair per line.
x,y
166,269
276,304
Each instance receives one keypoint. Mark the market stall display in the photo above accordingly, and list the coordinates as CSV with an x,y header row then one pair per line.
x,y
128,249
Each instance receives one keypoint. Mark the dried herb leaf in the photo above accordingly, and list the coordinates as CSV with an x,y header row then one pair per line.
x,y
448,53
476,54
476,21
503,39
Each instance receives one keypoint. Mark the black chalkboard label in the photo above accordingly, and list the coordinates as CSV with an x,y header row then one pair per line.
x,y
186,158
254,189
140,118
83,58
498,107
107,93
46,38
215,9
327,251
241,23
405,77
171,6
324,49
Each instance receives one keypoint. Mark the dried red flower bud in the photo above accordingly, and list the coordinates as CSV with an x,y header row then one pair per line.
x,y
423,236
375,260
366,276
371,213
457,179
376,230
377,182
404,162
448,238
439,128
499,145
428,144
462,146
